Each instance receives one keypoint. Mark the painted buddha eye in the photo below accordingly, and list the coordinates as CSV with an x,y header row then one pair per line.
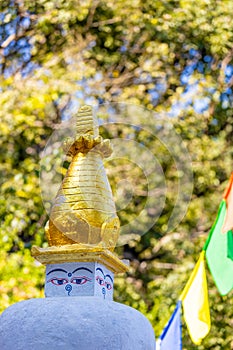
x,y
58,281
80,280
100,280
108,286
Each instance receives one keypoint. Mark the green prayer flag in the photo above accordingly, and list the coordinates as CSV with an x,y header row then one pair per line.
x,y
230,245
217,250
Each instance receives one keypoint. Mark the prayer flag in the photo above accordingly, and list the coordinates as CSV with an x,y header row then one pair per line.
x,y
218,253
230,245
228,196
171,338
195,302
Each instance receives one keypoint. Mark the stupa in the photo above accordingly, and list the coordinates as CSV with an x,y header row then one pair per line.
x,y
78,311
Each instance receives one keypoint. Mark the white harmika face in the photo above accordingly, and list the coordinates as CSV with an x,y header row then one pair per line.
x,y
79,279
103,282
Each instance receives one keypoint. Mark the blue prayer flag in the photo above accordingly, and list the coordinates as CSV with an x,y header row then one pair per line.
x,y
171,338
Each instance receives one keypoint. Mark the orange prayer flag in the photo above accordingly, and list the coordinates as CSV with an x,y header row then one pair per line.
x,y
228,196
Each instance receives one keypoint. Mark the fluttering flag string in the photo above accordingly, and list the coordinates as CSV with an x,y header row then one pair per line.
x,y
218,251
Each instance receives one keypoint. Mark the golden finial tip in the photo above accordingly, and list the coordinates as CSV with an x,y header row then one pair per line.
x,y
86,122
85,110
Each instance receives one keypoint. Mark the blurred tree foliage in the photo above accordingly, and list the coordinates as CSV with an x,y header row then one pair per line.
x,y
173,57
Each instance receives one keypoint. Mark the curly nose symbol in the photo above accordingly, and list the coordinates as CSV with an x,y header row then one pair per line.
x,y
104,292
68,288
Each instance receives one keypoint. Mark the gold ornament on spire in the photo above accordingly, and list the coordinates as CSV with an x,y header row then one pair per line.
x,y
83,224
84,210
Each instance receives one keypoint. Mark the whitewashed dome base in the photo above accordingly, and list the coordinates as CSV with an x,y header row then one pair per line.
x,y
80,323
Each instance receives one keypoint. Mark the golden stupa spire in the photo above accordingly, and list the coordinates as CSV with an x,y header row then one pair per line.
x,y
83,223
84,210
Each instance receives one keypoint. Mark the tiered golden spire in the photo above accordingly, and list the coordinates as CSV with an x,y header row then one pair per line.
x,y
84,210
83,224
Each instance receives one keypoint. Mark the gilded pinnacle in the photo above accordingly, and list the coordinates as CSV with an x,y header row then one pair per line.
x,y
84,210
83,223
